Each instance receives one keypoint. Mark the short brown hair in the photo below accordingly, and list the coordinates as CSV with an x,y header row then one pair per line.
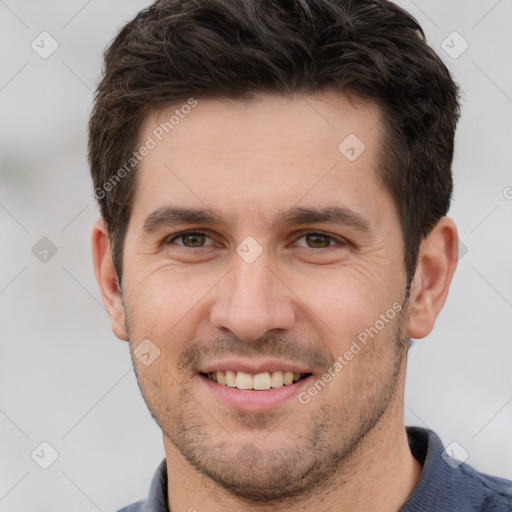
x,y
178,49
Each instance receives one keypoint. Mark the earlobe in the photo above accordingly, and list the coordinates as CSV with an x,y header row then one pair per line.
x,y
106,278
437,261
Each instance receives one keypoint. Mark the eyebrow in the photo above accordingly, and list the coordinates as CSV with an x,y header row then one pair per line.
x,y
170,216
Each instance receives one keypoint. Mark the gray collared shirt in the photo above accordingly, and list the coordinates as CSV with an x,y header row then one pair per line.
x,y
444,485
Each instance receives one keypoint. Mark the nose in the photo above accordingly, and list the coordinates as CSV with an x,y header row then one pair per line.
x,y
252,300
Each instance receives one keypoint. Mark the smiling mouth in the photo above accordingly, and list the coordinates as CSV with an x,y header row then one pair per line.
x,y
256,382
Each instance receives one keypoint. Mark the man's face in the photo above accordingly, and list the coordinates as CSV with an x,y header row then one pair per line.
x,y
297,252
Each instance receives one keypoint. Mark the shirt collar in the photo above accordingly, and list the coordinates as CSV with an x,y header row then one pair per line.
x,y
157,497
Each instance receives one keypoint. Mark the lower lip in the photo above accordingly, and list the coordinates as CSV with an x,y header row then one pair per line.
x,y
245,399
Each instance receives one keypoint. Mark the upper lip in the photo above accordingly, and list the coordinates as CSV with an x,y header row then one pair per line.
x,y
268,365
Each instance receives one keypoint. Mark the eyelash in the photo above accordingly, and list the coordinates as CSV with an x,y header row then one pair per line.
x,y
172,238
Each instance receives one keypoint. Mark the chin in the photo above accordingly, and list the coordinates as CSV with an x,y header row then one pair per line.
x,y
252,474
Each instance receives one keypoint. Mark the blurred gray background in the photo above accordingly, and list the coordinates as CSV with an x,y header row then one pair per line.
x,y
67,381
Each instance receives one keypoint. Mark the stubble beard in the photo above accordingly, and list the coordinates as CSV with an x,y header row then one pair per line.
x,y
256,470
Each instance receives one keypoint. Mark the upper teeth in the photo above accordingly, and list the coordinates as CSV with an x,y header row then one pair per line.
x,y
258,381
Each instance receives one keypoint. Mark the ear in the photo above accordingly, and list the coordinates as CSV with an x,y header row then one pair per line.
x,y
107,279
437,261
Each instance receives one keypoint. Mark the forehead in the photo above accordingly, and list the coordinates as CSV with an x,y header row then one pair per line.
x,y
268,153
266,122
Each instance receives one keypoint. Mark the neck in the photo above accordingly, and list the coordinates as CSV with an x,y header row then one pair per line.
x,y
378,475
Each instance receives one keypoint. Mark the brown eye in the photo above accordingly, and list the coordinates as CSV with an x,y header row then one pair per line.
x,y
190,239
317,240
193,240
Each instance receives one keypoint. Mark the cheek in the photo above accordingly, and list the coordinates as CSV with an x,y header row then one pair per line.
x,y
345,301
161,386
166,307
